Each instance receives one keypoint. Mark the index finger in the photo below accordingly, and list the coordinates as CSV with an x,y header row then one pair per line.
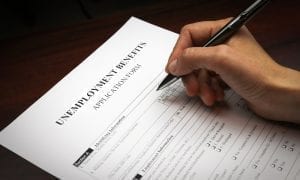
x,y
195,34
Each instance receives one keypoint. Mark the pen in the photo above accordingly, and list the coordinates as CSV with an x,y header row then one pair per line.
x,y
223,34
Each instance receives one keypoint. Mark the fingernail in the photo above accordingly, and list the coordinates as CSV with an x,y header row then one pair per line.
x,y
172,66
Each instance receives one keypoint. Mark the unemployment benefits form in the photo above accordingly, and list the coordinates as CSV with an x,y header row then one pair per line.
x,y
105,120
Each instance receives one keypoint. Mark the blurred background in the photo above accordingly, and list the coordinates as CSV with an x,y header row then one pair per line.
x,y
26,16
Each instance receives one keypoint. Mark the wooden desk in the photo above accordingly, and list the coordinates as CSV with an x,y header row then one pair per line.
x,y
32,64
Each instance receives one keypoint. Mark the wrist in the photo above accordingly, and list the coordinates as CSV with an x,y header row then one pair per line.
x,y
284,96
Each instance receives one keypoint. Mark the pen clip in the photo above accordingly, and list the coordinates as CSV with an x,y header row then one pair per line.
x,y
252,10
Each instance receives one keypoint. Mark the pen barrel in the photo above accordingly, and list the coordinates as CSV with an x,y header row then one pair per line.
x,y
235,24
221,36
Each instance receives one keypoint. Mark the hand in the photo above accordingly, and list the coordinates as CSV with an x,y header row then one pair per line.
x,y
270,90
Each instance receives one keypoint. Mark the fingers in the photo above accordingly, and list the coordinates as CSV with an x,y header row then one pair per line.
x,y
195,35
204,84
191,84
219,91
206,93
191,61
184,41
193,64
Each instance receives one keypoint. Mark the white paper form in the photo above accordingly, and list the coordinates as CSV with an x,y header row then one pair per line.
x,y
105,120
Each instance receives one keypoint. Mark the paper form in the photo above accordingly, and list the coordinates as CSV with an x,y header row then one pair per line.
x,y
105,120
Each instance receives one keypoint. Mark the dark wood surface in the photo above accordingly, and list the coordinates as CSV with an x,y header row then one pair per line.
x,y
33,63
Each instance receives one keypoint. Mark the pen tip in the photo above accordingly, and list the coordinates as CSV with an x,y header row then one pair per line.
x,y
158,88
161,86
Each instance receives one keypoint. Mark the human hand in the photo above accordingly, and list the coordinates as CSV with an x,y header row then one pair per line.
x,y
270,90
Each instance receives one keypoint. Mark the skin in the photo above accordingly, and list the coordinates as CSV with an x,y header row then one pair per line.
x,y
270,90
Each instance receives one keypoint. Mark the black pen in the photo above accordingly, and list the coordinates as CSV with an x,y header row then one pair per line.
x,y
223,34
